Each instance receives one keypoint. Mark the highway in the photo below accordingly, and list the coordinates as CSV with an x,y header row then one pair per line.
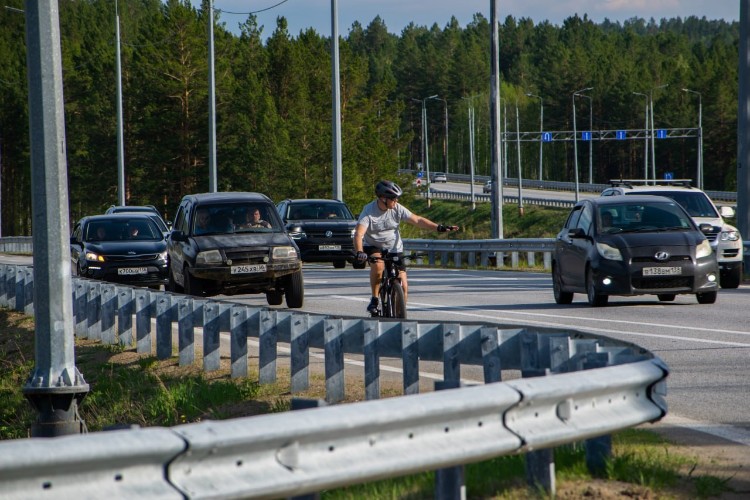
x,y
465,187
707,347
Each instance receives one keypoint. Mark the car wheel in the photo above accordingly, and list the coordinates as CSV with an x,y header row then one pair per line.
x,y
274,298
732,278
172,285
706,297
561,297
295,290
666,297
594,299
339,264
193,286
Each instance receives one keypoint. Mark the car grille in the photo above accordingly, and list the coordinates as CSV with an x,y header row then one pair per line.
x,y
346,233
247,255
672,258
664,283
712,234
129,259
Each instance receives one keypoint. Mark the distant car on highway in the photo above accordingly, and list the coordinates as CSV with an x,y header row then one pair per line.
x,y
122,248
633,245
323,229
439,177
487,188
151,210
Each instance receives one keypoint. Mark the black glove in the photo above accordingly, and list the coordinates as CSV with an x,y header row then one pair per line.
x,y
361,256
442,228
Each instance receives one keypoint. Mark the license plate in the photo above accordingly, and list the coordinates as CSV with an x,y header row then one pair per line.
x,y
254,268
662,271
329,247
129,271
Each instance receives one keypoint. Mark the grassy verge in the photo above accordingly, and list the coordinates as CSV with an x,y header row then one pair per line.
x,y
127,388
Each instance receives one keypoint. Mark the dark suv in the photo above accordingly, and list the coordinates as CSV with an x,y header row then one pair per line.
x,y
322,229
220,245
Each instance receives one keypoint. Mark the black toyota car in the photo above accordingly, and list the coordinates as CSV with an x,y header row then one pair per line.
x,y
123,248
323,229
633,245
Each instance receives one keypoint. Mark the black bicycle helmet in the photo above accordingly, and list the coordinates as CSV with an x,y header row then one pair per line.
x,y
388,189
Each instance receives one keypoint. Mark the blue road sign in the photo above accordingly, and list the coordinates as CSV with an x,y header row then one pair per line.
x,y
419,174
668,176
585,136
547,137
621,134
661,134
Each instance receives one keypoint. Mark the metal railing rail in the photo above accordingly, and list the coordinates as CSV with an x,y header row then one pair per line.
x,y
105,312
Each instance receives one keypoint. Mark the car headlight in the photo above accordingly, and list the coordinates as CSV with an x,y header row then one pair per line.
x,y
209,257
703,249
284,253
94,257
730,235
608,251
163,256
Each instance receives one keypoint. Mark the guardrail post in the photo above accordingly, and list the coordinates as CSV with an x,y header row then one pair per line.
x,y
94,310
3,295
371,334
164,316
185,331
211,336
109,298
598,449
457,259
125,316
514,260
334,359
451,361
444,258
238,340
547,260
267,354
449,482
531,258
410,356
490,355
28,292
300,353
472,259
304,404
20,296
143,321
10,285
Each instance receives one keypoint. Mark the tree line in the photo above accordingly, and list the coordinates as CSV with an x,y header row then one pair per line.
x,y
273,101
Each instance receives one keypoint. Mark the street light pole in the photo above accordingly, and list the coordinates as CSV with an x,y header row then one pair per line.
x,y
645,143
518,150
541,131
699,174
575,137
212,176
445,139
591,135
653,143
425,143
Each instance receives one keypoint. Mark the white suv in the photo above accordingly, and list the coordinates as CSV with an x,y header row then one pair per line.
x,y
725,239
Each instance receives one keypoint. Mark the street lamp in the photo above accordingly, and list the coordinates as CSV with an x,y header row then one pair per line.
x,y
653,144
470,101
645,143
575,136
699,174
591,137
541,130
425,152
518,150
445,139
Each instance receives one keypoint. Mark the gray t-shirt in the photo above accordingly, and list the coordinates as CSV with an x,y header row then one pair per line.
x,y
382,226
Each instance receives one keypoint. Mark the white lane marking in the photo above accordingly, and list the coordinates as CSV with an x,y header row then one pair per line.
x,y
601,330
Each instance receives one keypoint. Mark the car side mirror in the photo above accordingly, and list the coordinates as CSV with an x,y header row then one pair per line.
x,y
178,236
706,228
576,232
726,211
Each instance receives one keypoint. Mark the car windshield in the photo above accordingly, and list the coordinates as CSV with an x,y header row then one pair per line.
x,y
227,218
695,203
315,211
633,217
121,229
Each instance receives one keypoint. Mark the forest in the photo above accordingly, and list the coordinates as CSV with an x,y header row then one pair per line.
x,y
274,111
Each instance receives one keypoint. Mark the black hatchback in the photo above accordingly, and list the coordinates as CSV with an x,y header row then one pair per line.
x,y
323,229
634,245
123,248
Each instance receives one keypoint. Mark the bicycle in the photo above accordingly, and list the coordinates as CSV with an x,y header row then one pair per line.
x,y
392,299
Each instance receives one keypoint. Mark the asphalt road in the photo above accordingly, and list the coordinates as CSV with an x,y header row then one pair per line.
x,y
707,347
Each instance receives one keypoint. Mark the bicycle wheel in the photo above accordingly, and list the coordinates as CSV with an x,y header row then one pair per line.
x,y
385,303
397,301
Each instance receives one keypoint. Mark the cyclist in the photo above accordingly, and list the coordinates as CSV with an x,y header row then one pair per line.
x,y
377,229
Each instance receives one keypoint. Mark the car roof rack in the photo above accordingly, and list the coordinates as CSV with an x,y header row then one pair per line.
x,y
651,182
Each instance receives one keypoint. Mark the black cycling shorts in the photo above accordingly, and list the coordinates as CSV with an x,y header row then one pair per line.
x,y
369,250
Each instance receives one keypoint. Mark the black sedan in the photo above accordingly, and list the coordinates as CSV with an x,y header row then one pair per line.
x,y
634,245
122,248
323,229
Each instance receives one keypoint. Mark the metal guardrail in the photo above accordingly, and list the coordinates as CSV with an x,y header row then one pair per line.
x,y
485,253
305,451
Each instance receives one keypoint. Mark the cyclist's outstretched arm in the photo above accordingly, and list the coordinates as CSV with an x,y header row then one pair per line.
x,y
425,223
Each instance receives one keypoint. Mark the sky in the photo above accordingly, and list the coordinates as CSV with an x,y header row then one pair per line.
x,y
397,14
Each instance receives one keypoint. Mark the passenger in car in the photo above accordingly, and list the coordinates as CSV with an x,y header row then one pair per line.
x,y
253,220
